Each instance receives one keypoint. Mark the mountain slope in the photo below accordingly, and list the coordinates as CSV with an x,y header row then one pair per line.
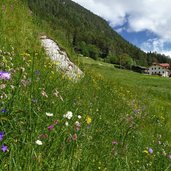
x,y
89,34
84,30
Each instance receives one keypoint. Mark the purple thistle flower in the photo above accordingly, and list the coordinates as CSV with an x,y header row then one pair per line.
x,y
4,148
50,127
1,135
150,150
5,75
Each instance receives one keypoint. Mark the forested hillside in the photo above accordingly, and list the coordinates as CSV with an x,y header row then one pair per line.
x,y
89,34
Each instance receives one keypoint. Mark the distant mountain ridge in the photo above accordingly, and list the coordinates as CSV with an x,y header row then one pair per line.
x,y
90,35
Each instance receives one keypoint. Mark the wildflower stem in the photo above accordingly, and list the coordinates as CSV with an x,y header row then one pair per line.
x,y
10,103
168,168
30,106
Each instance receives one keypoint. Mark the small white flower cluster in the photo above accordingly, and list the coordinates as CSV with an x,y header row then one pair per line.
x,y
79,116
49,114
66,123
68,115
77,124
38,142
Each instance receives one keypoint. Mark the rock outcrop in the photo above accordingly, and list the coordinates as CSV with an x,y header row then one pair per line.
x,y
61,59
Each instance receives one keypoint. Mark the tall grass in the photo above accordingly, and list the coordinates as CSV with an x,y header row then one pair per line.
x,y
122,125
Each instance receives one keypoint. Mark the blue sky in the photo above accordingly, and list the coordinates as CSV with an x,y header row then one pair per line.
x,y
145,23
137,38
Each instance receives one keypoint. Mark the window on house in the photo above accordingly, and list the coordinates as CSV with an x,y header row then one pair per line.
x,y
163,71
152,68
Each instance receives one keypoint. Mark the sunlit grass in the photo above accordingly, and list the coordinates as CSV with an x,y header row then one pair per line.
x,y
110,120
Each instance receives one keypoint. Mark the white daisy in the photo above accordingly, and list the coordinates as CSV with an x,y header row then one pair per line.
x,y
68,115
38,142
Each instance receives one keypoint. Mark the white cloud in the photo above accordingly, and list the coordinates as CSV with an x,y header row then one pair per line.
x,y
105,10
155,45
166,52
152,15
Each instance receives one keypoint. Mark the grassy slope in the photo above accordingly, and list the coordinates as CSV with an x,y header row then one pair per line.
x,y
134,115
151,89
157,86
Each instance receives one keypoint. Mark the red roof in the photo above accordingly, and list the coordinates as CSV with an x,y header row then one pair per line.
x,y
165,65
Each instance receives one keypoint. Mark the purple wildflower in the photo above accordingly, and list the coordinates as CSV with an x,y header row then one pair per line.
x,y
3,110
114,142
150,150
5,75
37,72
74,137
34,100
56,122
4,148
1,135
50,127
169,156
42,136
137,111
89,126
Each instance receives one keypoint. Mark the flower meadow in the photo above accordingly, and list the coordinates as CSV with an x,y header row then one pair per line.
x,y
48,122
90,125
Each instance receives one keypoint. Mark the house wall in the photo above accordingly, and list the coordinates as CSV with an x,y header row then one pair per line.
x,y
156,69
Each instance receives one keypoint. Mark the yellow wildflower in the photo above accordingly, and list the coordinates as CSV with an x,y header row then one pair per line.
x,y
162,118
88,119
145,151
25,54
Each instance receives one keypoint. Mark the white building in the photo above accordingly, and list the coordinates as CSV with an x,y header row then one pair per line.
x,y
159,69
